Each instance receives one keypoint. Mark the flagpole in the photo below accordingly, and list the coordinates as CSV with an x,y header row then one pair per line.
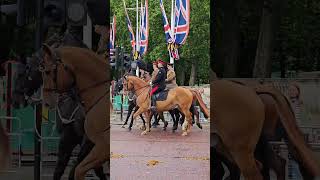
x,y
137,33
172,25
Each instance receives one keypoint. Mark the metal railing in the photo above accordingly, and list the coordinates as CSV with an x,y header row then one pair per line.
x,y
15,148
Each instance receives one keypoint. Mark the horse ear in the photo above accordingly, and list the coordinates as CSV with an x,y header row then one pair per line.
x,y
47,50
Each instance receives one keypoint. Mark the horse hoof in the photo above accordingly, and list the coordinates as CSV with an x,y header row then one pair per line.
x,y
199,125
142,128
123,126
184,133
144,133
129,128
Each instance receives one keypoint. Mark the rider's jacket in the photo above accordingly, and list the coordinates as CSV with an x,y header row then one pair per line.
x,y
160,78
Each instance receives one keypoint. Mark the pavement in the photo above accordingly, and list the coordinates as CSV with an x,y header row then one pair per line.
x,y
162,155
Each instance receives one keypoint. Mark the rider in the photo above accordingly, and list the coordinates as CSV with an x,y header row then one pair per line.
x,y
155,70
171,77
158,83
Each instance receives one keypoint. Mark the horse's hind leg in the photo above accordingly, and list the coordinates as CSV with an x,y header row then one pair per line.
x,y
174,119
195,113
247,164
93,159
186,126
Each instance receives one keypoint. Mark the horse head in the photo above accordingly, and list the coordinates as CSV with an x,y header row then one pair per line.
x,y
57,76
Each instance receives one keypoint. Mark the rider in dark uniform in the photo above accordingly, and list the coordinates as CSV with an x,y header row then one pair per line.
x,y
159,83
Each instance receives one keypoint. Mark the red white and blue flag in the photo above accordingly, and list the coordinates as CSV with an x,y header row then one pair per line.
x,y
166,25
131,33
181,26
182,21
144,28
112,33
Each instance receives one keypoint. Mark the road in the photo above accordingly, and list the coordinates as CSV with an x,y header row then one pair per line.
x,y
159,154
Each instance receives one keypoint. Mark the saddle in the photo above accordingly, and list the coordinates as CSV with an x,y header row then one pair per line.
x,y
161,96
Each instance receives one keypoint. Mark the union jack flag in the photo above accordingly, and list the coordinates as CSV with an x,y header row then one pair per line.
x,y
144,28
112,33
131,33
182,21
181,26
166,25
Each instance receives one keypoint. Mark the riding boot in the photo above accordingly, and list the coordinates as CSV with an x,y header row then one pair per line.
x,y
153,103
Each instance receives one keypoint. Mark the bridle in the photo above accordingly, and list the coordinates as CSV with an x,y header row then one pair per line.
x,y
135,90
57,62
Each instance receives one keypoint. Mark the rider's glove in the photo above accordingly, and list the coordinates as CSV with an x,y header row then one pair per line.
x,y
150,83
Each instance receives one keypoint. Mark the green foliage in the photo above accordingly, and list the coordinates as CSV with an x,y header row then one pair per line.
x,y
197,45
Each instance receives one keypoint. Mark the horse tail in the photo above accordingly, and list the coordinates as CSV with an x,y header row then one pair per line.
x,y
203,107
4,148
295,137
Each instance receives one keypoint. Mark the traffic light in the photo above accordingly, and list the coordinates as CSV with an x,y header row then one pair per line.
x,y
54,12
76,12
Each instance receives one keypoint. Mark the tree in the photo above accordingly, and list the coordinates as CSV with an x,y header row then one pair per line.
x,y
196,49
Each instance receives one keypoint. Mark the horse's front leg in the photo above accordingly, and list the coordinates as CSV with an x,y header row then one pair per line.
x,y
139,112
131,122
131,107
144,122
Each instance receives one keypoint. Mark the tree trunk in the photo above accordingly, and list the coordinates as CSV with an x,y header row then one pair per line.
x,y
269,24
228,45
193,74
182,77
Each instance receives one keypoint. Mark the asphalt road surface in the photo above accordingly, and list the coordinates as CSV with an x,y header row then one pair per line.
x,y
159,154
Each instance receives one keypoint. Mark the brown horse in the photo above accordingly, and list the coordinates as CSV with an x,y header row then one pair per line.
x,y
70,67
4,148
177,97
237,118
276,106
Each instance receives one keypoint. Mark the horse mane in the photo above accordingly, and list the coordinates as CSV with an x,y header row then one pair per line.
x,y
135,77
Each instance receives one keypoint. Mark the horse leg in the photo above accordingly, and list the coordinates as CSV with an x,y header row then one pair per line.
x,y
156,120
131,122
140,111
187,123
92,160
247,164
144,123
217,171
175,121
195,113
131,107
164,121
84,151
68,141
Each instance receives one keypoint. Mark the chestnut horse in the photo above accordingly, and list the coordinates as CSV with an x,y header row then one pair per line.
x,y
180,98
71,67
232,100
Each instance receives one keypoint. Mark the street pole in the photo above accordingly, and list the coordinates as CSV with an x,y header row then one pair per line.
x,y
38,106
172,25
137,34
